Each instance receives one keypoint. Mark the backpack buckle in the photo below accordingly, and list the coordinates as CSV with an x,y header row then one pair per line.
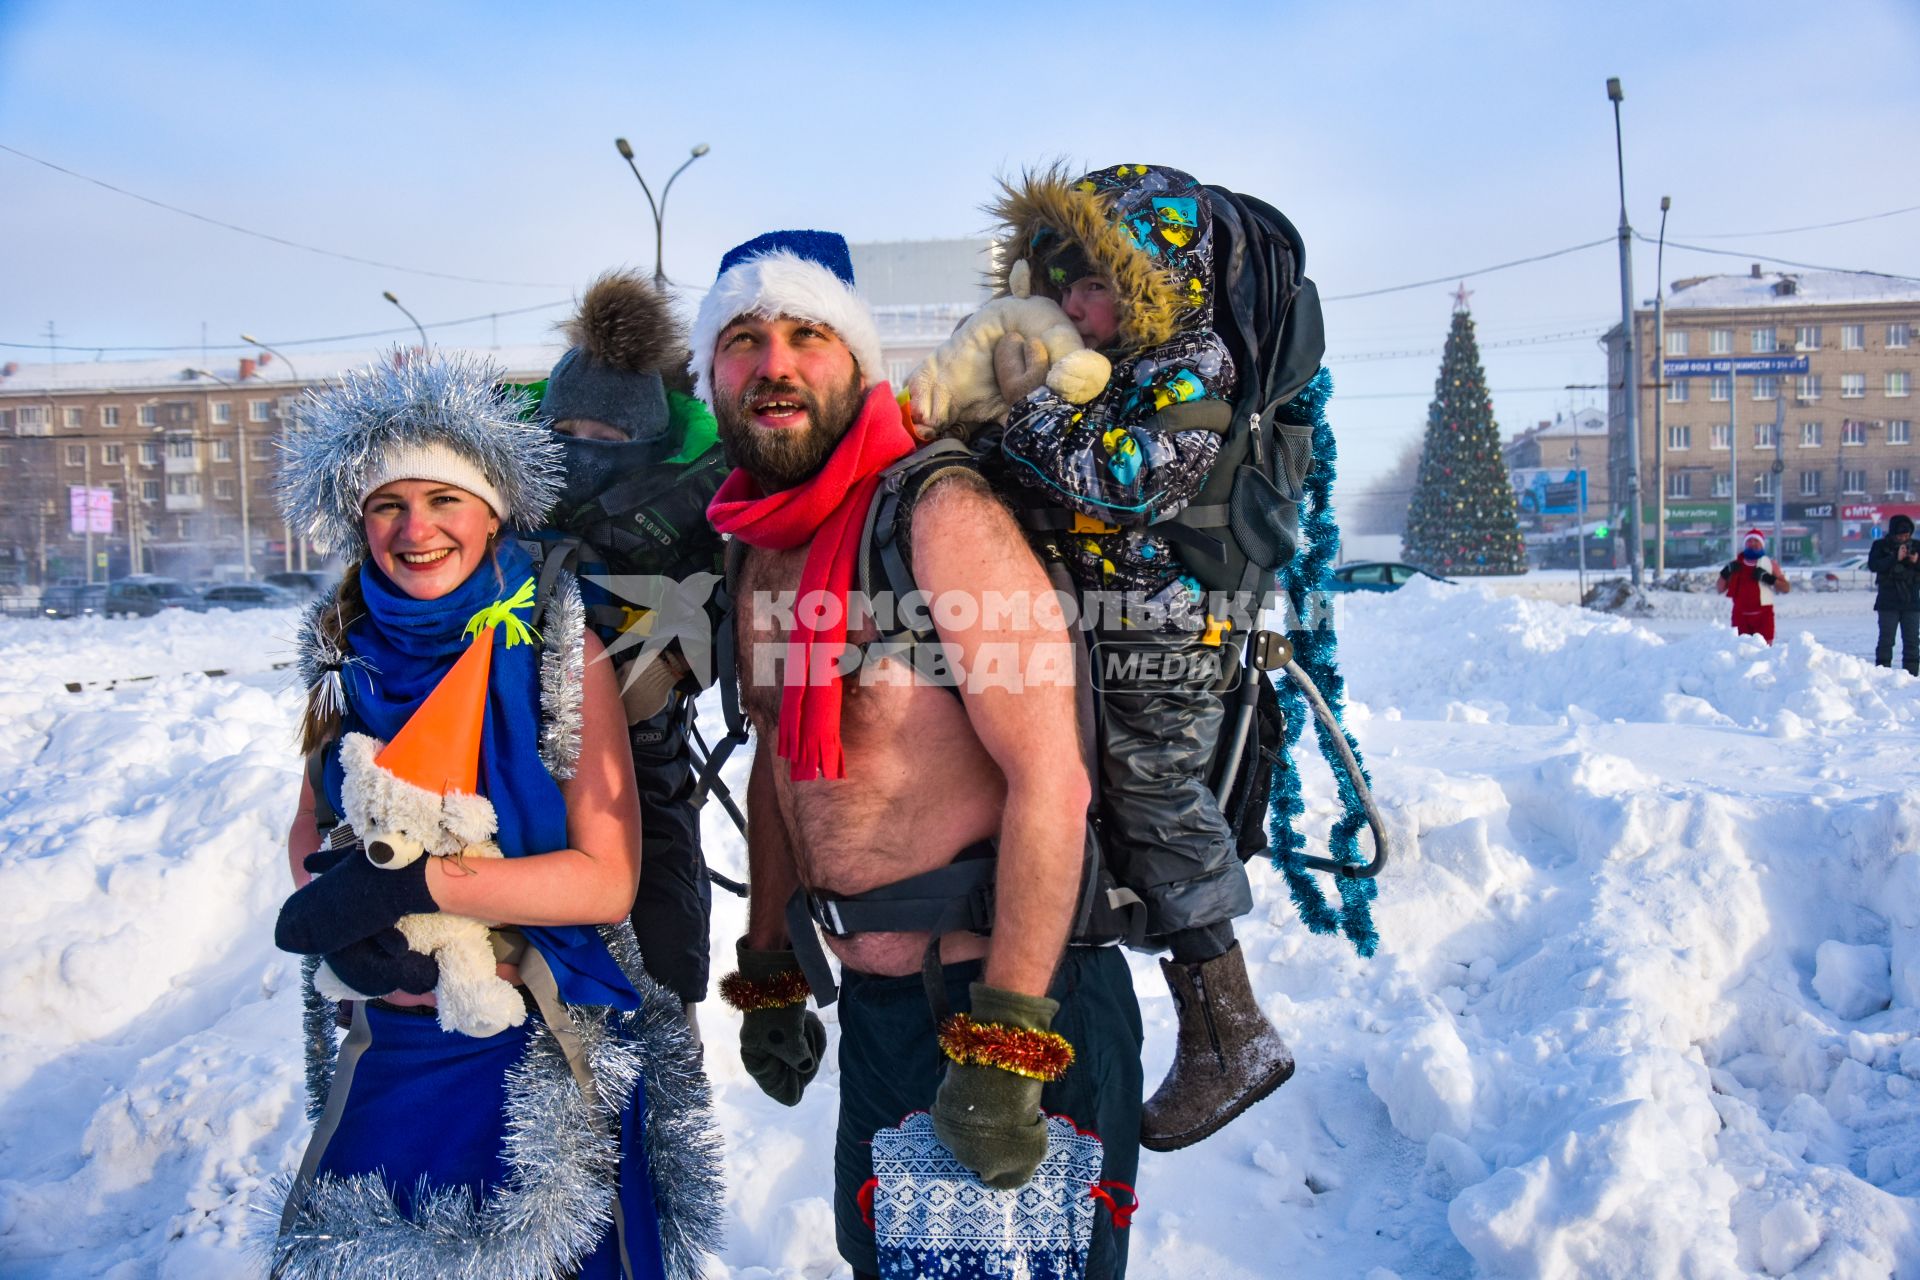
x,y
826,913
1270,650
1084,523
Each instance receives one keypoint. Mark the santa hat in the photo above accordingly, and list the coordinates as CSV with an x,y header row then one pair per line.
x,y
1755,538
802,275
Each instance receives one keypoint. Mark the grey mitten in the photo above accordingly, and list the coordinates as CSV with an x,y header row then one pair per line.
x,y
781,1043
989,1116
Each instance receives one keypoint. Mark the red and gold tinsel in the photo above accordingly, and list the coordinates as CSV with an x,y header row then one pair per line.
x,y
781,991
1037,1055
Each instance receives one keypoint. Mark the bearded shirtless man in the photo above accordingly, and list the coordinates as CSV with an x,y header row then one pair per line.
x,y
869,780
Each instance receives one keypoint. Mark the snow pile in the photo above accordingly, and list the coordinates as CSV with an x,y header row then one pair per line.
x,y
146,1086
1648,1002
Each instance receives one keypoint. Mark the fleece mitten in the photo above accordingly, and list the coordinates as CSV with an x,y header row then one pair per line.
x,y
384,963
781,1045
989,1116
353,901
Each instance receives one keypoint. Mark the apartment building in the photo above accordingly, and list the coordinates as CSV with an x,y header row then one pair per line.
x,y
1832,449
184,448
186,456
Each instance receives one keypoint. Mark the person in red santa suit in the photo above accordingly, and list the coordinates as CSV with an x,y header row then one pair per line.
x,y
1751,580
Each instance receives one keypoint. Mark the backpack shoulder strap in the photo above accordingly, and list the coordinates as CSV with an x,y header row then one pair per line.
x,y
726,676
324,818
886,557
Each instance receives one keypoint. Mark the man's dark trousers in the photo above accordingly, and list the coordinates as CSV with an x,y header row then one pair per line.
x,y
1907,623
674,901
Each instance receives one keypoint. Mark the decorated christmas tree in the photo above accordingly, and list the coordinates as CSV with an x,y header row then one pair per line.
x,y
1462,519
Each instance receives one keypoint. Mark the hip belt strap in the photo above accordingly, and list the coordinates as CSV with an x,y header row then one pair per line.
x,y
958,896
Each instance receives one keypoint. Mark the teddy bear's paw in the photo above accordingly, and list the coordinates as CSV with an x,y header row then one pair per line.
x,y
1079,376
1020,279
932,402
487,1011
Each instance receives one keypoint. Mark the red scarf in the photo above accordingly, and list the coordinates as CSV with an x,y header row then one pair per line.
x,y
1742,586
827,513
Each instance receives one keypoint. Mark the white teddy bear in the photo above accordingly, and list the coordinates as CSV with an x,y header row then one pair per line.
x,y
397,823
957,386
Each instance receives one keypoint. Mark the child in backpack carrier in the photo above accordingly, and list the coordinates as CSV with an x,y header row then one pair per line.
x,y
1127,251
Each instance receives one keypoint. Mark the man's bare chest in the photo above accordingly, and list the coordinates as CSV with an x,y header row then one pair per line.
x,y
771,612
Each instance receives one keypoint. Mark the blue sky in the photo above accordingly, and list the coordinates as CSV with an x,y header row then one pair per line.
x,y
1406,140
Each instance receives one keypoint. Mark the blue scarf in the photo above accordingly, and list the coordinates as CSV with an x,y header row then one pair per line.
x,y
402,648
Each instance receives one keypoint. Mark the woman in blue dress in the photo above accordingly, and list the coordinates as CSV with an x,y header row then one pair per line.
x,y
578,1142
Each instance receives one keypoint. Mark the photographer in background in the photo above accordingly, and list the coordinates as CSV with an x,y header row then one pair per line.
x,y
1894,561
1750,581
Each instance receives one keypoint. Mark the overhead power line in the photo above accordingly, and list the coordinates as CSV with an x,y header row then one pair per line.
x,y
279,240
1817,226
302,342
1753,254
1571,335
1466,275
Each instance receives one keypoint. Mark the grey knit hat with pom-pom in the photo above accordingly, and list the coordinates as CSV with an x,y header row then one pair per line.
x,y
626,349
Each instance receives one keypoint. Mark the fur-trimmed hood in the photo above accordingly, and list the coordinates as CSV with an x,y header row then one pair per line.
x,y
1147,228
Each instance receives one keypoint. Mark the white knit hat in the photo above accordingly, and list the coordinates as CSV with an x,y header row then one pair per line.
x,y
435,461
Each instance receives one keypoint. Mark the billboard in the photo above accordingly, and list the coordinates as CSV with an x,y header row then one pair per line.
x,y
89,510
1549,491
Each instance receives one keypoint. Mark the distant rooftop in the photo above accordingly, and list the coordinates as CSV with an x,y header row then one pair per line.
x,y
910,273
1789,289
168,374
1582,422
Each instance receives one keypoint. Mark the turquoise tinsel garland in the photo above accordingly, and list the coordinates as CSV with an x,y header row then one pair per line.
x,y
1315,649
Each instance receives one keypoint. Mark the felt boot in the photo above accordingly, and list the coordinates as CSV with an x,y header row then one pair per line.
x,y
1227,1057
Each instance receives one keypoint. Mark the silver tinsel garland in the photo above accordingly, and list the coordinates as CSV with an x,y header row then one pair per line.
x,y
562,677
321,1035
683,1139
557,1199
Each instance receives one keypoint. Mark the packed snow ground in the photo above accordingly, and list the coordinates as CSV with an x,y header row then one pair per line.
x,y
1646,1005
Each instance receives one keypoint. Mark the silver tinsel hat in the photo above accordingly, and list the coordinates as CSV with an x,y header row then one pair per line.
x,y
344,439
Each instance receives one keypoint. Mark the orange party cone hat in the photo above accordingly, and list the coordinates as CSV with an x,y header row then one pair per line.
x,y
438,748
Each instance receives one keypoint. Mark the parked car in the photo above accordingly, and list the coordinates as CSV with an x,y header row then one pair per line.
x,y
73,599
304,583
144,596
1374,575
247,595
1845,573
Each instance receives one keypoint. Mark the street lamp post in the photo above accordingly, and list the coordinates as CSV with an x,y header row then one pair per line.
x,y
1630,378
1660,395
421,329
1779,470
1580,530
1582,473
659,208
286,529
240,439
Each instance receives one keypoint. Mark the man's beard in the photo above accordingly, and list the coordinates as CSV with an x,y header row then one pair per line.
x,y
780,458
